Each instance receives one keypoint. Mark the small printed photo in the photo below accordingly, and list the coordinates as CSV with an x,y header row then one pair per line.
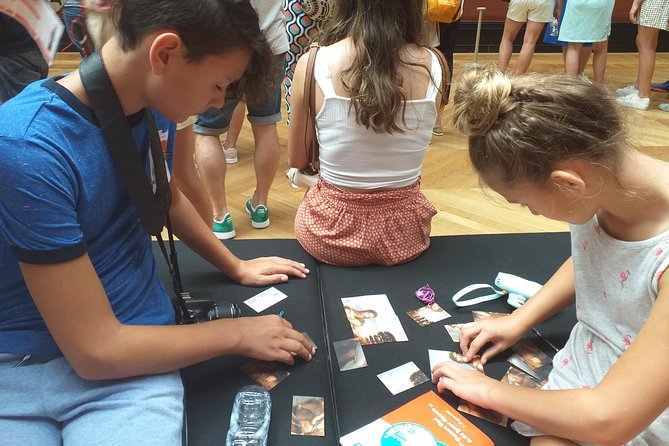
x,y
518,378
373,320
306,335
428,314
484,414
539,361
308,416
349,354
516,361
267,374
402,378
454,331
439,356
483,315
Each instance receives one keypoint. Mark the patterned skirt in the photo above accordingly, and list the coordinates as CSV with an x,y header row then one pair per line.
x,y
654,14
345,228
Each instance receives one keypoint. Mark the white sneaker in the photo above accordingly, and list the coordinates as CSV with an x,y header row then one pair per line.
x,y
626,91
230,155
299,179
584,77
634,101
664,107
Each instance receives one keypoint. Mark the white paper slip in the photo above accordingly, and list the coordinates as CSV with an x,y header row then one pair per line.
x,y
265,299
402,378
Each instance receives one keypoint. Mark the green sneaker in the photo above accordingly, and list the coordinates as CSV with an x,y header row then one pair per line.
x,y
224,230
259,214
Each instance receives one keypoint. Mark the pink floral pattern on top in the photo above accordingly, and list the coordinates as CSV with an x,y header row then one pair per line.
x,y
624,276
616,286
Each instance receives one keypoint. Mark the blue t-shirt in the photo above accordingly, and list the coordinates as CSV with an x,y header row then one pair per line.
x,y
61,197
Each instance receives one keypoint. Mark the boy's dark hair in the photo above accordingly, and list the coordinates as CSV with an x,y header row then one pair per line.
x,y
207,28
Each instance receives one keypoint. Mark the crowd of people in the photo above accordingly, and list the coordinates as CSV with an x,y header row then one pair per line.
x,y
85,320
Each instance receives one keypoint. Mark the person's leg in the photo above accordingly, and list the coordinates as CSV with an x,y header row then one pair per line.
x,y
511,29
231,136
584,58
600,53
646,41
23,420
185,175
211,164
571,60
266,160
263,119
532,32
212,167
448,33
145,410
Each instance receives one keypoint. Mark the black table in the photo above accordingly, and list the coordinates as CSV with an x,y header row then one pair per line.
x,y
357,397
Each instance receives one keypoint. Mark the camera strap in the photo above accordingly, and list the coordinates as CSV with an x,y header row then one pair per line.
x,y
153,209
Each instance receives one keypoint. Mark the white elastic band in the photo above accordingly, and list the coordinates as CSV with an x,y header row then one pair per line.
x,y
476,300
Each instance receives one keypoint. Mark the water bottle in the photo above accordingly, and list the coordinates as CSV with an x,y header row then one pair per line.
x,y
249,421
554,27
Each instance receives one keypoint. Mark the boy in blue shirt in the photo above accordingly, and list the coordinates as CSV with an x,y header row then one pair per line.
x,y
89,353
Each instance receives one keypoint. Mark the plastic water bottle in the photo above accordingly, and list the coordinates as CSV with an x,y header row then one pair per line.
x,y
554,27
249,421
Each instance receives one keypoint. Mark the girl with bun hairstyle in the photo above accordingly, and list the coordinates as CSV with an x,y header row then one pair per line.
x,y
557,145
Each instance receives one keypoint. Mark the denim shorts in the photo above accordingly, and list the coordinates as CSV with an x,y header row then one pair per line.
x,y
216,121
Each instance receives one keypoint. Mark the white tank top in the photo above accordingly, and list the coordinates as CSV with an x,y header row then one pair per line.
x,y
354,157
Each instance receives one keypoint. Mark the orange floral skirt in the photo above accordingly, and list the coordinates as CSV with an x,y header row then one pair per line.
x,y
345,228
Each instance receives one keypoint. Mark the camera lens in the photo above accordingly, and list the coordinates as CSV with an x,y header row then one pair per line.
x,y
225,310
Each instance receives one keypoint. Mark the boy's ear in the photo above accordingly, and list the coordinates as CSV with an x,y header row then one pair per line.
x,y
165,47
568,179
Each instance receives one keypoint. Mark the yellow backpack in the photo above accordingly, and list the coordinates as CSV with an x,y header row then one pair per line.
x,y
445,11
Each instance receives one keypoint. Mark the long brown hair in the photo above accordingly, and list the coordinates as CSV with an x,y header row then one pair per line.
x,y
379,30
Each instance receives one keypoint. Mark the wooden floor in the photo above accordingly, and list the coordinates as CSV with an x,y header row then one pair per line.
x,y
448,180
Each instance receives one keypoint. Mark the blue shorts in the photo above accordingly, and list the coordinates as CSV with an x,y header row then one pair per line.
x,y
44,402
216,121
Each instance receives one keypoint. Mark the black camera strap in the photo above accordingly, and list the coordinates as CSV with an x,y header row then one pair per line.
x,y
153,209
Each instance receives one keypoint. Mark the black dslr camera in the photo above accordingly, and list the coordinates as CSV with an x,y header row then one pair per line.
x,y
190,310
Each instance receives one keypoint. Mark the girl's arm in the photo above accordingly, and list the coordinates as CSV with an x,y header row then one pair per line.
x,y
297,151
76,310
633,393
501,333
191,229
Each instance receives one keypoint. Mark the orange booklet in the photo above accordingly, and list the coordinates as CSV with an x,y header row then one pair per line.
x,y
427,421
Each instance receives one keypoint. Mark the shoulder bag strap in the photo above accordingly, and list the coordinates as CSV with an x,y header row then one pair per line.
x,y
310,140
445,75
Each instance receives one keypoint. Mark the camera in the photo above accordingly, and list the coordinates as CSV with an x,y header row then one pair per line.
x,y
203,310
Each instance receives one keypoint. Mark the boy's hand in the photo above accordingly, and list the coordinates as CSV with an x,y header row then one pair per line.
x,y
268,270
271,338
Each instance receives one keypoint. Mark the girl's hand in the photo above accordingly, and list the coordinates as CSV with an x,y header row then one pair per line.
x,y
634,12
268,270
271,338
500,333
468,384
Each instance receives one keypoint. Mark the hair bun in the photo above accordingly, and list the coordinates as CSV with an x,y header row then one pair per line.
x,y
481,97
